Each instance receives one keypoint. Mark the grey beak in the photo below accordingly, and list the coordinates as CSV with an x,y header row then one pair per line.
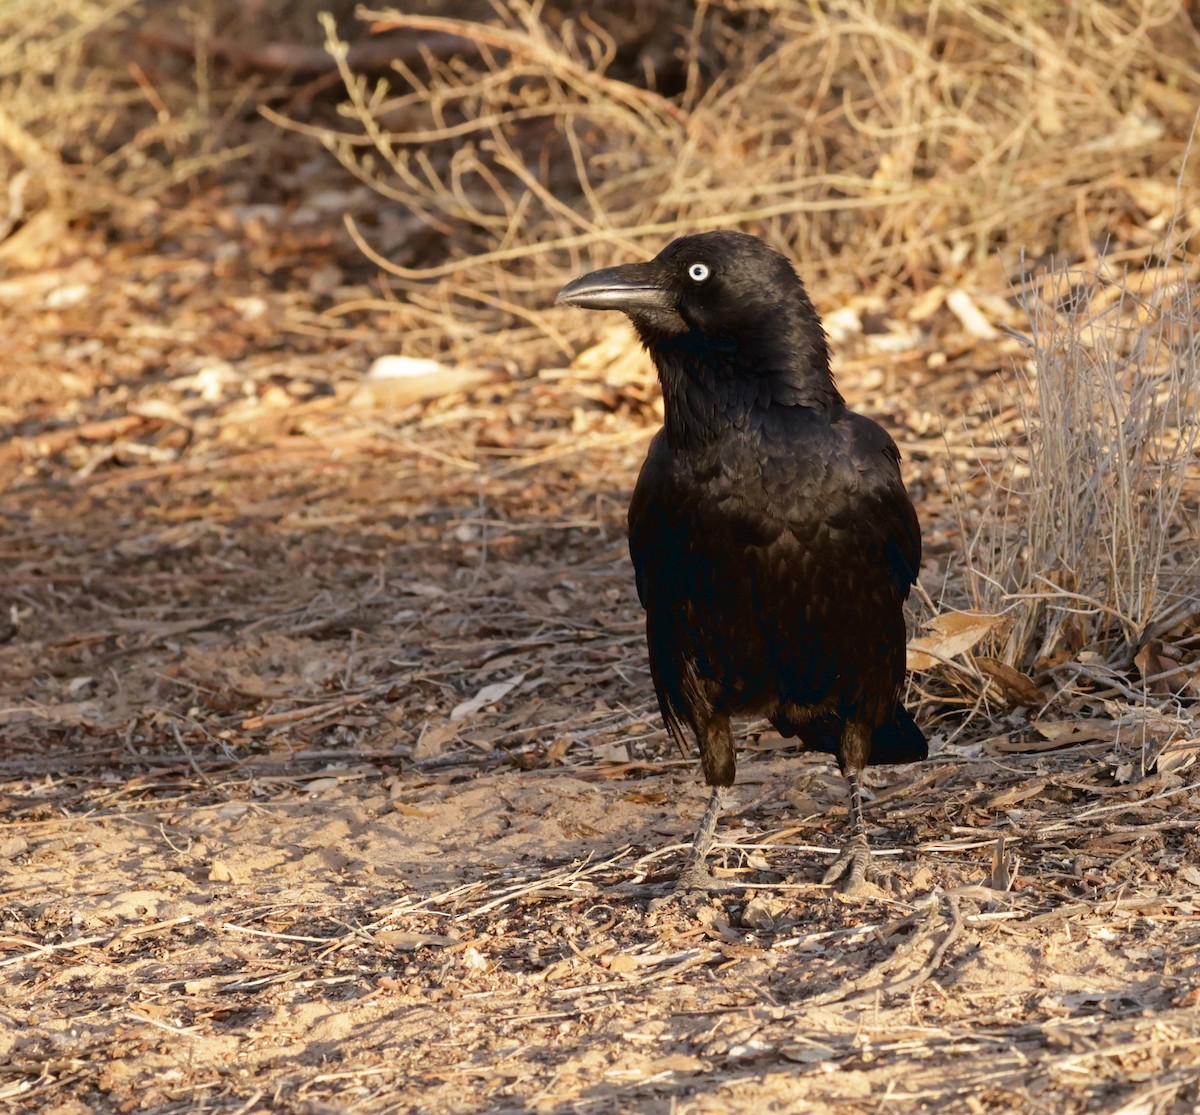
x,y
632,288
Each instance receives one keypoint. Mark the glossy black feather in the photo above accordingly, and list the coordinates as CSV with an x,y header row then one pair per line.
x,y
771,534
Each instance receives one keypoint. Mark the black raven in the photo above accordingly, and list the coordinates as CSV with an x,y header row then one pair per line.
x,y
772,537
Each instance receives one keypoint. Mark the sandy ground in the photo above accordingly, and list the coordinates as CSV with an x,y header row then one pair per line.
x,y
331,778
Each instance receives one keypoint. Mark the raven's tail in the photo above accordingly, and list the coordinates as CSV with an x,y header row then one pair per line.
x,y
898,741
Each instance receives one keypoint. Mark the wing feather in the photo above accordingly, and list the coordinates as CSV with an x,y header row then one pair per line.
x,y
774,572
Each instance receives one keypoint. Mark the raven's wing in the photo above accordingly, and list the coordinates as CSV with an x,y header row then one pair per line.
x,y
884,499
672,573
830,588
773,570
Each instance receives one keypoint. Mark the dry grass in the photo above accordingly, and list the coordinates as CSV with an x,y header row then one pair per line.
x,y
884,148
1077,493
1090,538
83,128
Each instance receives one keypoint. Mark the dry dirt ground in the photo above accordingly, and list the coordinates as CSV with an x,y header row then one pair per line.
x,y
331,778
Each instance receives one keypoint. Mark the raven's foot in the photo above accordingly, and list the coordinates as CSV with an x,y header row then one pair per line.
x,y
694,881
854,867
695,878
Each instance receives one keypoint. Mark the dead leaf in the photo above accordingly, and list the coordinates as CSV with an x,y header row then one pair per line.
x,y
1023,791
321,785
970,317
612,751
1177,755
1162,669
419,588
1055,734
809,1053
952,633
396,381
407,810
922,879
1016,686
433,741
556,750
488,695
758,915
1063,733
1004,746
474,960
409,942
13,846
620,962
1004,867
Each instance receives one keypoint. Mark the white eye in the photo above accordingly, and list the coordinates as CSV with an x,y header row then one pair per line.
x,y
698,272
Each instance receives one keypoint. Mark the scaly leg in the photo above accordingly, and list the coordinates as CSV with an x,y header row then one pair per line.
x,y
695,874
853,865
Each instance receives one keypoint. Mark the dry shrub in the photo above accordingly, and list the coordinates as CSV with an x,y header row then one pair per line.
x,y
1090,540
81,128
881,144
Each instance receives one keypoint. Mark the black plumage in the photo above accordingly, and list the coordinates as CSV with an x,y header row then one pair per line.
x,y
772,537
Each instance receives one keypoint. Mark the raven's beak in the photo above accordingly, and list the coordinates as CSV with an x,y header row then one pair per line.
x,y
632,288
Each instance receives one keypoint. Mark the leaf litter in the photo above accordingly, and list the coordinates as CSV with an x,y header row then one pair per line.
x,y
332,771
332,777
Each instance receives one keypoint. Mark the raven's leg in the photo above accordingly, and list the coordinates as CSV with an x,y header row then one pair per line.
x,y
717,762
695,874
853,865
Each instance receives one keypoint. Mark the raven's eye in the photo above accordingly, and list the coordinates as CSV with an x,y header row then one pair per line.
x,y
698,272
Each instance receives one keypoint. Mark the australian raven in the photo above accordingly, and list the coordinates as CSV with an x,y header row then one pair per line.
x,y
772,537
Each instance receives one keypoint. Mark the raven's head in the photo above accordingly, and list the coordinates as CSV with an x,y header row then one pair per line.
x,y
718,308
707,283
